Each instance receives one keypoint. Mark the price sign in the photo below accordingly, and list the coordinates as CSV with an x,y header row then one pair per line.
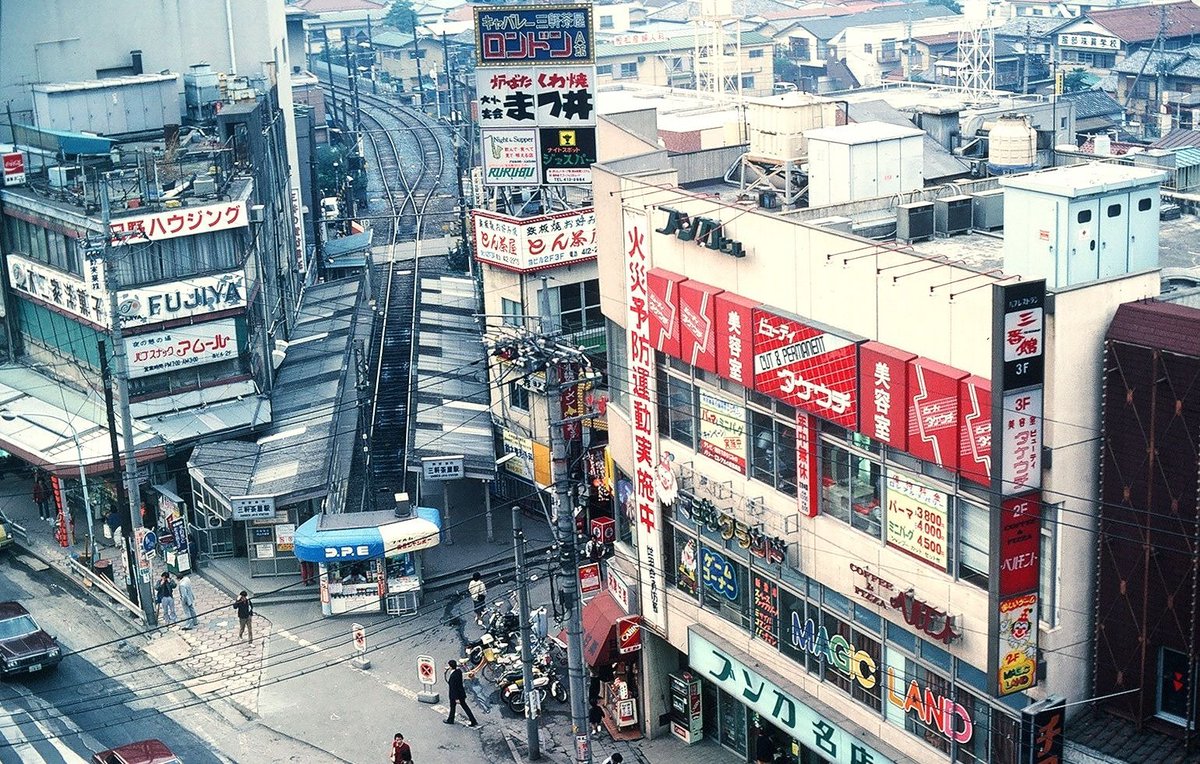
x,y
766,610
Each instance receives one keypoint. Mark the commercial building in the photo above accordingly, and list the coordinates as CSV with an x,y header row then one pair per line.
x,y
826,540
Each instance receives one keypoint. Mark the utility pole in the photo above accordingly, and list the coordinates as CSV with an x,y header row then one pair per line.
x,y
417,58
531,723
374,57
449,79
112,284
1025,59
131,588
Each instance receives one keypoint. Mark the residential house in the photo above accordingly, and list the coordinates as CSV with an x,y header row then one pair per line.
x,y
1096,112
1007,67
333,22
663,59
872,51
398,60
1160,91
1099,40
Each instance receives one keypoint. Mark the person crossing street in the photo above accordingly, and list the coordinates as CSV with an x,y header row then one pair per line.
x,y
478,591
457,693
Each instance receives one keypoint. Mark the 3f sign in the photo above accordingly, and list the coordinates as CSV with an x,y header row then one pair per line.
x,y
334,552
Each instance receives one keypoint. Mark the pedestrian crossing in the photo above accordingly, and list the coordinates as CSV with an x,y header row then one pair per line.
x,y
24,740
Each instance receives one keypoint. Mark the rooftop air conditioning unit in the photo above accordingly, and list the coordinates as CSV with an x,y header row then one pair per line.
x,y
952,215
988,210
768,200
62,177
914,222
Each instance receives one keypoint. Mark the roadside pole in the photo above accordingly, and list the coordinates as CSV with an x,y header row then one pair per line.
x,y
531,723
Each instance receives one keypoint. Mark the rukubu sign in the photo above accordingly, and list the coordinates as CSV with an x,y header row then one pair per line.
x,y
806,366
534,243
510,157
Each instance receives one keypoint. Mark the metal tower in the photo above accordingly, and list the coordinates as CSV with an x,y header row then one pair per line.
x,y
717,61
977,54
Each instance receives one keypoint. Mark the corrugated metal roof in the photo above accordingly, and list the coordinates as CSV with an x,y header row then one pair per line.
x,y
1157,325
451,405
1184,158
1178,138
682,42
827,29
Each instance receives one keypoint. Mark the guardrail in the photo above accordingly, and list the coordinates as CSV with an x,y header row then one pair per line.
x,y
18,532
97,584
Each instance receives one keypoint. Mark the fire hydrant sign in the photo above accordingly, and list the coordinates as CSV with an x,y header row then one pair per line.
x,y
360,637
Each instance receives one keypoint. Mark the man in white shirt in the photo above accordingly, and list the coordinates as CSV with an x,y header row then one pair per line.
x,y
478,591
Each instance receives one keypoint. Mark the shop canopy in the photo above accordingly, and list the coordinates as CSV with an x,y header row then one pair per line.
x,y
366,535
600,616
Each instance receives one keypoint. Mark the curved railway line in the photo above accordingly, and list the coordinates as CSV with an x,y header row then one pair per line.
x,y
410,168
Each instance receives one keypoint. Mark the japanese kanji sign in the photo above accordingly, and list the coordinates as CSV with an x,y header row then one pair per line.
x,y
530,244
545,97
549,34
806,366
195,345
643,414
916,519
184,221
567,155
1023,306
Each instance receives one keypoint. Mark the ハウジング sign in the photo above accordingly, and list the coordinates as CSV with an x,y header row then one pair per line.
x,y
509,35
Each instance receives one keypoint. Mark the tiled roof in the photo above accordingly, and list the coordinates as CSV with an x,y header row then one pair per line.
x,y
827,29
1158,325
1035,26
689,9
1178,138
333,6
1184,62
1140,23
1092,103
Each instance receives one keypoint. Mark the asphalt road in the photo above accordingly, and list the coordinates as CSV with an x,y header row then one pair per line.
x,y
107,691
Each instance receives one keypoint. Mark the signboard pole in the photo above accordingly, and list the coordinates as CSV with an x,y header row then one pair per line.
x,y
359,634
426,674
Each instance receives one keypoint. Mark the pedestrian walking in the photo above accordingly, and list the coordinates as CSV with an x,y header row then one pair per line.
x,y
478,591
458,694
245,614
596,717
112,522
764,747
401,753
39,498
187,598
164,595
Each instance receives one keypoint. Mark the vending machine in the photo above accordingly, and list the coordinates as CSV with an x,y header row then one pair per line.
x,y
687,718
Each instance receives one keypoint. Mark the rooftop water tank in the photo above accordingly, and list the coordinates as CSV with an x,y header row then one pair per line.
x,y
1012,145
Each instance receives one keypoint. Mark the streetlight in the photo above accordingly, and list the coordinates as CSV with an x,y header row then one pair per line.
x,y
8,416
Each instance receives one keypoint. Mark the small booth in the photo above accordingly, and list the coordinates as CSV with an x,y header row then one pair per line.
x,y
369,561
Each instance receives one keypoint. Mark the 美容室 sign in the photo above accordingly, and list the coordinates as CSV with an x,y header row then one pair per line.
x,y
184,346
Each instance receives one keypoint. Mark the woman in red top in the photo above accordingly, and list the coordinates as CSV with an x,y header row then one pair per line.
x,y
401,753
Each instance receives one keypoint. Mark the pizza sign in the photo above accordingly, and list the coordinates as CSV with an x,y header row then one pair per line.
x,y
807,367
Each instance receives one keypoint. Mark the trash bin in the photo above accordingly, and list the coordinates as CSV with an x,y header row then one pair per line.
x,y
104,569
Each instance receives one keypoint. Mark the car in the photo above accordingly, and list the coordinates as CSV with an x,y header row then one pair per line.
x,y
24,646
141,752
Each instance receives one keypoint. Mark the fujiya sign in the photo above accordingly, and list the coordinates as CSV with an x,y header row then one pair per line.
x,y
704,231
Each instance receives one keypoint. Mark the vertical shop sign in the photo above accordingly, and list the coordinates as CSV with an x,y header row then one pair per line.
x,y
1043,731
806,366
1018,376
883,380
975,430
766,610
664,310
643,410
933,412
735,353
806,465
697,315
723,431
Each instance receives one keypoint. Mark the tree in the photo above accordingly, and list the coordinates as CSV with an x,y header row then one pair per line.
x,y
1075,81
401,16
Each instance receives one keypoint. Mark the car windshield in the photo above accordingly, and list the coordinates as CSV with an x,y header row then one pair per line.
x,y
12,628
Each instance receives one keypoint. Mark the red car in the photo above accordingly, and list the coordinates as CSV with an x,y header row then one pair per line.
x,y
24,647
143,752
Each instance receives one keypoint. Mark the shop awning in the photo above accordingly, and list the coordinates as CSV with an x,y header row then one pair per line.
x,y
366,535
600,616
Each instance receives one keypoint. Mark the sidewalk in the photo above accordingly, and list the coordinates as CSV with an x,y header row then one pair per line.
x,y
211,654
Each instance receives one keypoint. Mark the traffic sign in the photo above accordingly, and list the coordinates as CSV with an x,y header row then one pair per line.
x,y
360,637
425,669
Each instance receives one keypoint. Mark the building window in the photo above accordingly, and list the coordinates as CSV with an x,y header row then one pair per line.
x,y
513,313
887,50
972,548
606,22
618,378
724,586
773,451
518,396
629,70
43,245
1049,565
800,48
748,81
577,306
1174,686
677,409
1141,89
180,257
604,70
756,53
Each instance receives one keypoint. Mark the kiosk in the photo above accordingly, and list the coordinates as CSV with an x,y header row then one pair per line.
x,y
369,561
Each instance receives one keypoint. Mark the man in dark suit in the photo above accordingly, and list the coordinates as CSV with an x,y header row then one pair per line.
x,y
458,695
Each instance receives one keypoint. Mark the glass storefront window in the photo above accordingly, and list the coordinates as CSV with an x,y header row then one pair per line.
x,y
835,482
677,410
865,498
796,634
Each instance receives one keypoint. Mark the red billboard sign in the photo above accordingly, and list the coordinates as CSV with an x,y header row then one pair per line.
x,y
697,320
805,366
1020,543
664,309
933,412
589,579
975,430
735,356
629,634
883,379
806,464
14,168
